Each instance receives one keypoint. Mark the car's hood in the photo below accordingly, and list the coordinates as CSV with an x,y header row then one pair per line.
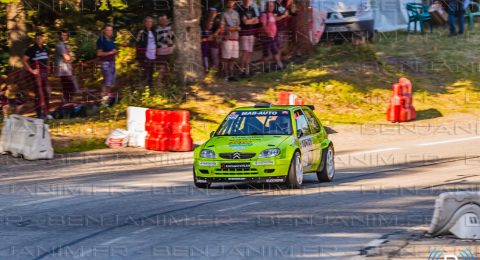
x,y
339,6
256,144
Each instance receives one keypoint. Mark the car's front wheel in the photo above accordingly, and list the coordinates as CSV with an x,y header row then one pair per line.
x,y
200,185
295,173
327,173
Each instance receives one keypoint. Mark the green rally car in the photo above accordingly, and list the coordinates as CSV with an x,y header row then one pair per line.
x,y
266,144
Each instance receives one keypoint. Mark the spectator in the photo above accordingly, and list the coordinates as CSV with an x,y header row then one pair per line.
x,y
146,50
249,23
230,46
456,10
64,69
282,8
8,99
165,47
206,39
270,40
215,38
35,61
106,51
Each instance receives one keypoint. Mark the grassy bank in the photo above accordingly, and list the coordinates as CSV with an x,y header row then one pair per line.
x,y
348,84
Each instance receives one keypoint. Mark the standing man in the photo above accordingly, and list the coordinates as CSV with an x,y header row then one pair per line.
x,y
230,46
106,52
35,61
146,50
249,25
215,38
456,10
165,47
64,69
282,8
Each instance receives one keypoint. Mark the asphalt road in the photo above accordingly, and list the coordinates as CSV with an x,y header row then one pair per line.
x,y
130,204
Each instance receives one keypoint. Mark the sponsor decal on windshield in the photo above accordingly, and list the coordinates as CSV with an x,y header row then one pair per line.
x,y
259,113
233,116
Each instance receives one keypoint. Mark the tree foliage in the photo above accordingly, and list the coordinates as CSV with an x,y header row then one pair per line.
x,y
82,18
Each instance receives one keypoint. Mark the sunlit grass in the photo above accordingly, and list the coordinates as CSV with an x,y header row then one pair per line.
x,y
348,84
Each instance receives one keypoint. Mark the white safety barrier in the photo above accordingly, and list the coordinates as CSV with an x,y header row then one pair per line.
x,y
136,119
5,136
457,213
27,137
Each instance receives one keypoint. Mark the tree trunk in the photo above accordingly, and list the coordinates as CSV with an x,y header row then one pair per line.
x,y
186,24
17,36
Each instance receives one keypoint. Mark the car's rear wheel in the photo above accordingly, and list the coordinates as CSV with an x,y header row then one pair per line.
x,y
295,173
200,185
327,173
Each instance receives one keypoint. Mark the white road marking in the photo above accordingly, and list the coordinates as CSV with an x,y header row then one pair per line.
x,y
376,242
109,242
40,201
141,230
239,206
450,141
375,151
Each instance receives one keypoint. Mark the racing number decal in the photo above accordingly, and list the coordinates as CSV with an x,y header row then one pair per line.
x,y
306,147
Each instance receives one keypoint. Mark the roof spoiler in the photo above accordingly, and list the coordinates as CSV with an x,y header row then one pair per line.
x,y
264,105
267,105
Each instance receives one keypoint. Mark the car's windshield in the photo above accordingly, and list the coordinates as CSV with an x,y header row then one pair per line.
x,y
257,122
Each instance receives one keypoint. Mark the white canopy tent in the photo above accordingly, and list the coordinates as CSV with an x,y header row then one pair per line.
x,y
391,15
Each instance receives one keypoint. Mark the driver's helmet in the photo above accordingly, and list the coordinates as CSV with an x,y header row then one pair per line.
x,y
283,123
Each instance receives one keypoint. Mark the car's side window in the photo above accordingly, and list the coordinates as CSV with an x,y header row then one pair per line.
x,y
301,122
313,121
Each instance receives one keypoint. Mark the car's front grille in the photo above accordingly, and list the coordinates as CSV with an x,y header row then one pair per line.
x,y
344,14
247,171
237,155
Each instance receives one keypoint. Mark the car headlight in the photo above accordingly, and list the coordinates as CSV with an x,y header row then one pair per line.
x,y
207,154
269,153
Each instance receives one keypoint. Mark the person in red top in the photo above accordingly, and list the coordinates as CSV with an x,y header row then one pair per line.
x,y
270,40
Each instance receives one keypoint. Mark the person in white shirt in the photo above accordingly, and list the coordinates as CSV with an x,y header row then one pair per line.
x,y
165,47
146,50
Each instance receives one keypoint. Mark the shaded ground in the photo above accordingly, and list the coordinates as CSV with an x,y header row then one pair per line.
x,y
348,84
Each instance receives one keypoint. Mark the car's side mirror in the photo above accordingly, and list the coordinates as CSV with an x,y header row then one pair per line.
x,y
299,133
212,134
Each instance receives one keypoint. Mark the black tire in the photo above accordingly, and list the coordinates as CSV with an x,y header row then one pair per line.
x,y
326,170
293,180
198,184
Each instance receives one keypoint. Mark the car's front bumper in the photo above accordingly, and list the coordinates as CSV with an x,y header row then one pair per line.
x,y
242,179
259,170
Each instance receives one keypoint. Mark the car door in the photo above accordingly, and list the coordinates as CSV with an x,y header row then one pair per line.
x,y
317,137
305,139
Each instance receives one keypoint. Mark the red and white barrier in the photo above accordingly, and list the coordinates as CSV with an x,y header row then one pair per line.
x,y
136,120
288,98
401,107
160,130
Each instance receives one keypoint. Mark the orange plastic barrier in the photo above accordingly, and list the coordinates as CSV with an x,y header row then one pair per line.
x,y
168,130
401,107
